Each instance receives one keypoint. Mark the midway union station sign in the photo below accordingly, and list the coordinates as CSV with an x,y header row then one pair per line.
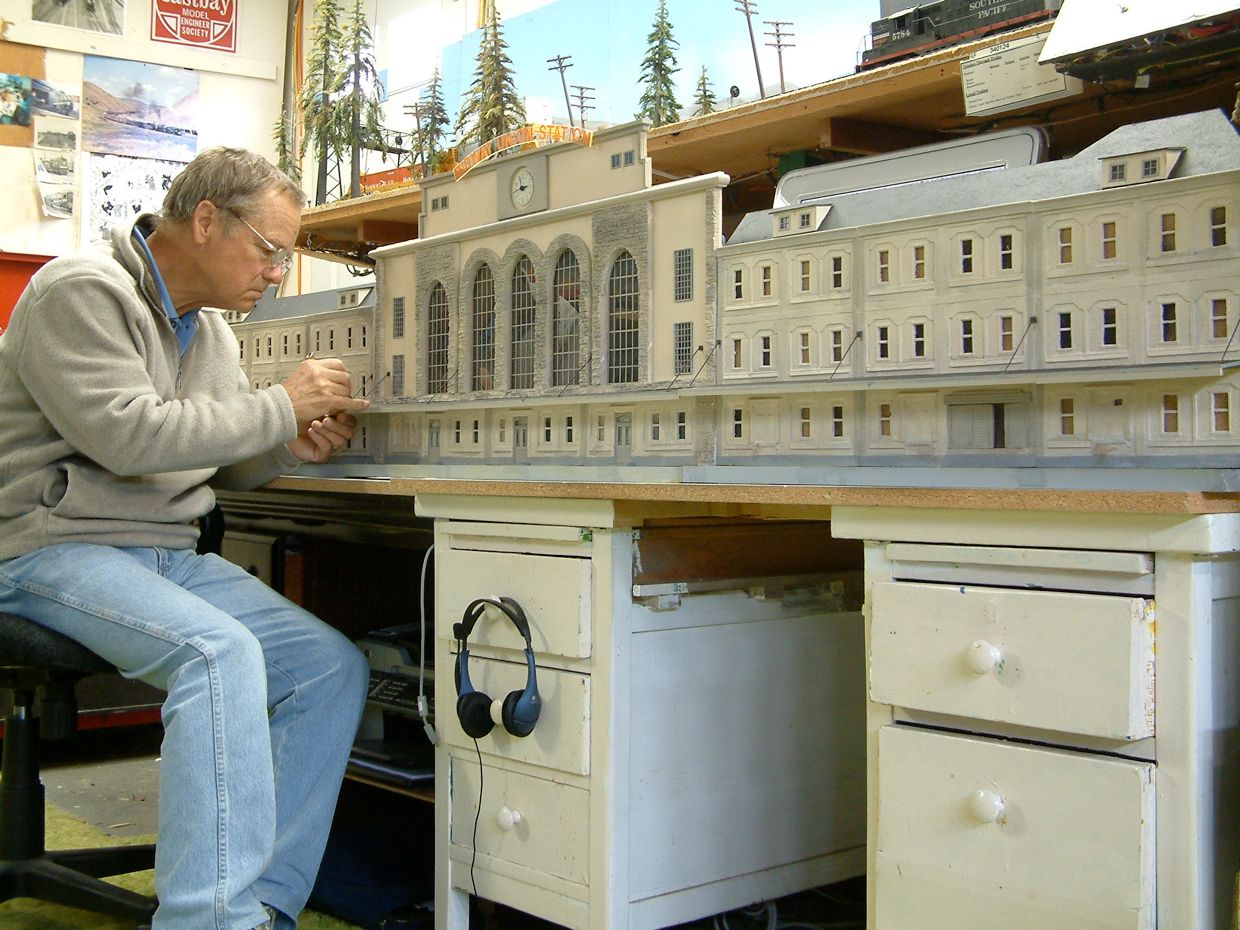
x,y
531,133
200,23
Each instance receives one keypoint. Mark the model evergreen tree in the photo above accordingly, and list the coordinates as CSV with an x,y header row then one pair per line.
x,y
704,100
286,155
658,104
362,115
491,106
320,119
433,128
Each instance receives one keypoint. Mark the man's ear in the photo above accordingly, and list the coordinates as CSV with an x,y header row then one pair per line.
x,y
205,216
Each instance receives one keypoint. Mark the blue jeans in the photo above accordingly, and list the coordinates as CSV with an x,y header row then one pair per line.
x,y
263,703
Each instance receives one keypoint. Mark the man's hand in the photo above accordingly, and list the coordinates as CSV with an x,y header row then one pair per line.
x,y
323,437
320,387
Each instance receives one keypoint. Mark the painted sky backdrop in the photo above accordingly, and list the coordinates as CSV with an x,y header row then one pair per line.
x,y
607,41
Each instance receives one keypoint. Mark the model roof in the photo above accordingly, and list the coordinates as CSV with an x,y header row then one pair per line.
x,y
1209,141
269,307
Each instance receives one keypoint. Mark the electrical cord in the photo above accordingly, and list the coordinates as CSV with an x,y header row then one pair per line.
x,y
473,856
423,707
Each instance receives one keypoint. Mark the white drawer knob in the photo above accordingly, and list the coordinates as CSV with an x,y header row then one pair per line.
x,y
983,656
986,806
507,818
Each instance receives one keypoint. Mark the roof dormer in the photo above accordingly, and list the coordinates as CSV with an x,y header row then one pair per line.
x,y
803,218
1139,167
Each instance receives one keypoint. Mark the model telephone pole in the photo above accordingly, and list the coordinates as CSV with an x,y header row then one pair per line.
x,y
561,63
750,10
583,102
779,45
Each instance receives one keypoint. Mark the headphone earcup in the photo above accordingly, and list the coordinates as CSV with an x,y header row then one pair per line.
x,y
473,709
519,715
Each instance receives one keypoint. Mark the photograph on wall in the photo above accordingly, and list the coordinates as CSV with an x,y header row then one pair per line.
x,y
53,167
14,100
51,99
50,132
92,15
202,25
117,189
139,110
57,201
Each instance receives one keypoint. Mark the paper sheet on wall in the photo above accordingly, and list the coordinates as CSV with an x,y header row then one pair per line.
x,y
119,188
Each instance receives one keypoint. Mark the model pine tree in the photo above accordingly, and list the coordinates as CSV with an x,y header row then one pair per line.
x,y
361,113
320,119
286,155
704,100
491,106
433,123
658,104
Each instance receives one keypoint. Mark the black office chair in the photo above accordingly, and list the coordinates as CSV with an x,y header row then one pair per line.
x,y
34,661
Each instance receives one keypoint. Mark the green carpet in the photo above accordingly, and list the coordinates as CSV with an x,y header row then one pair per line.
x,y
65,832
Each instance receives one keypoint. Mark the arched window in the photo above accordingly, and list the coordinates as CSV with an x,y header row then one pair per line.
x,y
483,378
523,324
622,321
437,341
565,320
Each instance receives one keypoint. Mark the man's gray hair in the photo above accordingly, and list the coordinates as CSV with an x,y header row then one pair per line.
x,y
233,179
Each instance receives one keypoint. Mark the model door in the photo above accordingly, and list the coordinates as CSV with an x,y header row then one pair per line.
x,y
521,439
624,438
433,429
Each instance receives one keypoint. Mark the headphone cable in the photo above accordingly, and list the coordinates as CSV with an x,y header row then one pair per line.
x,y
473,857
423,707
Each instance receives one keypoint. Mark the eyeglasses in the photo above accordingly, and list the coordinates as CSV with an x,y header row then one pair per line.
x,y
279,258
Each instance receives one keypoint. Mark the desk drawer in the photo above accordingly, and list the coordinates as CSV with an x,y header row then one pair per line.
x,y
550,834
554,592
1075,663
1071,846
561,738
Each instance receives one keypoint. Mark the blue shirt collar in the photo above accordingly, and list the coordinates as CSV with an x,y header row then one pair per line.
x,y
185,325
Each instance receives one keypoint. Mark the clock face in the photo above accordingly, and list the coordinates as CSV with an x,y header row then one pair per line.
x,y
522,187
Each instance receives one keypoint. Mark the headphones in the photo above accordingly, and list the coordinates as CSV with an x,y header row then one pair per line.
x,y
476,711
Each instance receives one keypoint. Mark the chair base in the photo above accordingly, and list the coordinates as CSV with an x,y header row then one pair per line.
x,y
73,877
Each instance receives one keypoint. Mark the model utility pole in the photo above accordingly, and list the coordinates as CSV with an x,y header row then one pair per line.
x,y
561,63
779,45
750,9
583,102
416,111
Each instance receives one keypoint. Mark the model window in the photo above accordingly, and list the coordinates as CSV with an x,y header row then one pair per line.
x,y
1170,325
241,346
615,160
884,266
1119,171
966,337
884,342
398,317
837,345
837,422
806,219
1005,334
547,429
804,340
522,374
1007,256
738,284
736,353
568,430
1167,226
331,339
738,424
436,342
884,419
919,261
622,324
682,340
1219,325
805,276
565,320
258,353
837,271
629,157
398,375
767,274
764,345
269,347
456,432
806,423
348,337
1065,245
785,223
682,424
1149,168
1170,413
476,431
966,256
284,345
502,436
1220,405
483,375
1110,240
682,273
919,340
363,333
1067,416
1065,330
602,428
1110,327
1218,226
655,427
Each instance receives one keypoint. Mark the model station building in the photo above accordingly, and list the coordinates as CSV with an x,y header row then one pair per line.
x,y
942,307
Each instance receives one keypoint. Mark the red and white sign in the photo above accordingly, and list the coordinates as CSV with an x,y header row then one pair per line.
x,y
200,23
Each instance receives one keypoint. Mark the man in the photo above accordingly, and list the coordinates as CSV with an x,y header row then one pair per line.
x,y
121,406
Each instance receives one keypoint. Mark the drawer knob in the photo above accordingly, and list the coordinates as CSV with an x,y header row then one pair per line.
x,y
983,656
507,818
986,806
